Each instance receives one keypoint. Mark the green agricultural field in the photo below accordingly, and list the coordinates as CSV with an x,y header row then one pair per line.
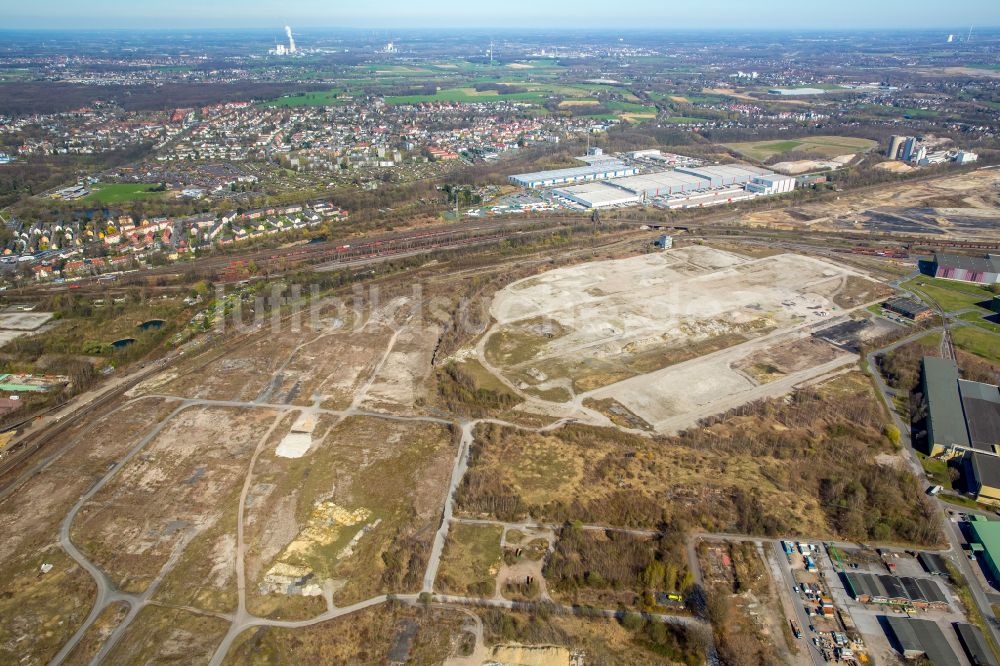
x,y
466,95
704,99
112,193
536,93
685,120
827,146
397,70
897,111
320,98
629,107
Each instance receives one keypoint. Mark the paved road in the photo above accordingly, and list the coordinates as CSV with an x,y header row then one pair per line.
x,y
800,612
457,472
685,620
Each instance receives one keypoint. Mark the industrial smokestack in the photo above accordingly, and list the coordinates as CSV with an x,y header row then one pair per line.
x,y
291,40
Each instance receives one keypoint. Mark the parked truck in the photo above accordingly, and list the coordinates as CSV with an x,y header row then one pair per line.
x,y
795,628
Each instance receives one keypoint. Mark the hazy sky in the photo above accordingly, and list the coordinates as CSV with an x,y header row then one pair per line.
x,y
546,14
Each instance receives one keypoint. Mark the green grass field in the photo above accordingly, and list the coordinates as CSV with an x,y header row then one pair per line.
x,y
897,111
321,98
536,93
685,120
827,146
397,70
112,193
630,107
950,295
978,318
978,341
466,95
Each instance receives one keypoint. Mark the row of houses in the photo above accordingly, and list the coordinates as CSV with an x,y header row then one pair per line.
x,y
81,267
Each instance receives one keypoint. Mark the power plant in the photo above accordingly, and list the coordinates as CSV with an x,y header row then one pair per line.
x,y
913,149
281,49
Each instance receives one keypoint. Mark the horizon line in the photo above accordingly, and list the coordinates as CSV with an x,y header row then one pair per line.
x,y
487,28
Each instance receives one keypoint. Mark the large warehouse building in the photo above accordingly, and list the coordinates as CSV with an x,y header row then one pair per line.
x,y
684,186
597,171
974,643
899,591
917,638
983,474
961,415
986,542
984,269
771,184
661,183
598,195
723,175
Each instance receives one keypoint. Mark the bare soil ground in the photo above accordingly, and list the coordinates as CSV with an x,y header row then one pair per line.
x,y
402,382
951,204
784,359
664,335
168,636
45,609
96,634
239,375
471,560
169,493
391,633
392,472
561,640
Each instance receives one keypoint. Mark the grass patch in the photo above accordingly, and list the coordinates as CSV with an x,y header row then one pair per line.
x,y
781,146
320,98
685,120
471,560
977,341
979,319
958,500
826,146
950,295
631,107
164,635
112,193
936,469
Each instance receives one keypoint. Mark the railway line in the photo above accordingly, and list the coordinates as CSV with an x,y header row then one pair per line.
x,y
330,254
347,251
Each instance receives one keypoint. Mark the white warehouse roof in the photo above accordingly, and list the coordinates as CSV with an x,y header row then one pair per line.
x,y
660,183
730,170
556,176
772,178
597,195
